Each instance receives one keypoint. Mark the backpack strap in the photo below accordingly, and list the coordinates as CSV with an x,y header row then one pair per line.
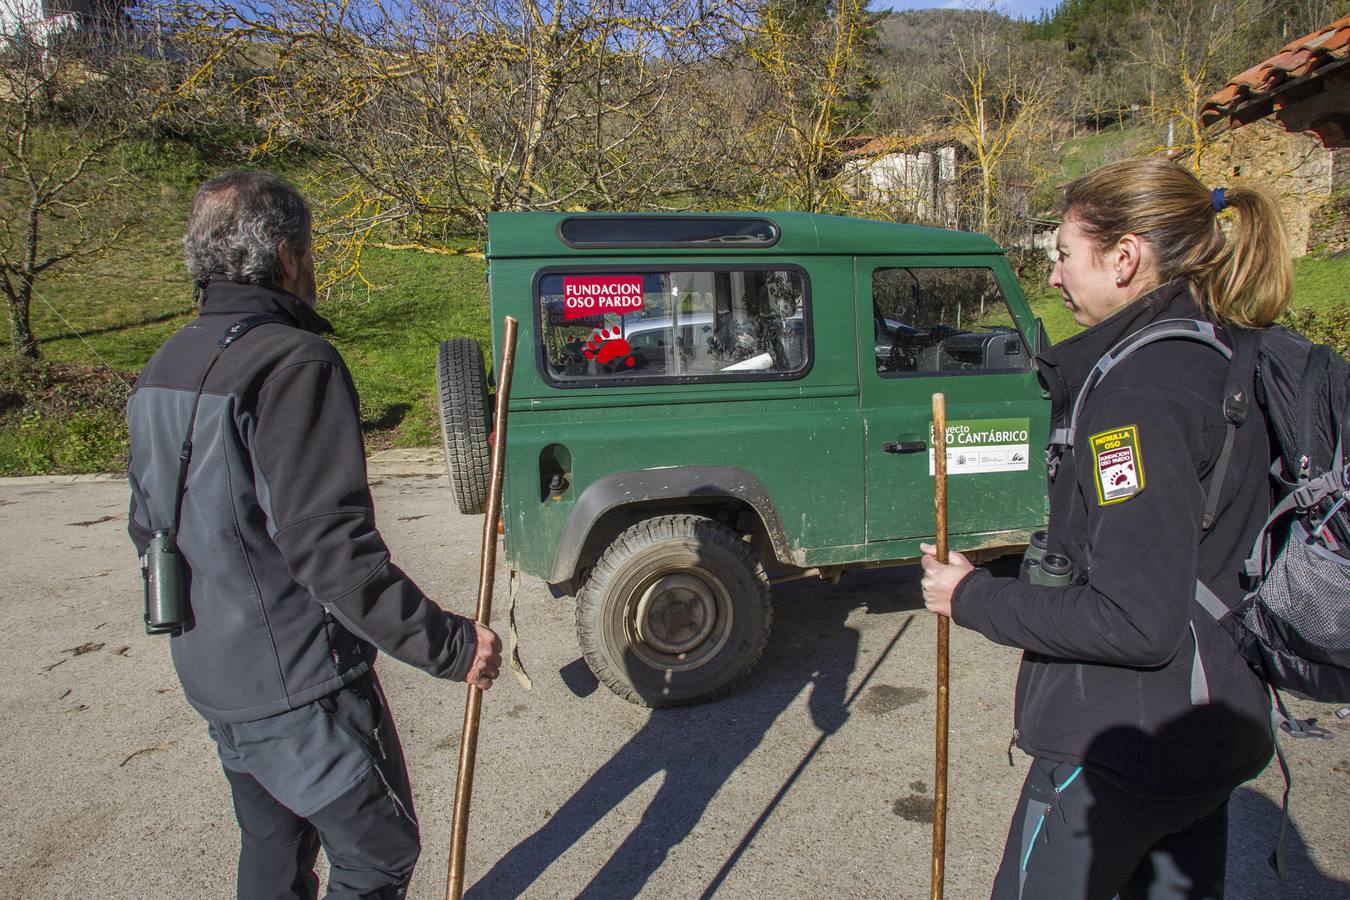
x,y
1236,396
1237,393
232,334
1236,404
1165,329
1315,371
1306,496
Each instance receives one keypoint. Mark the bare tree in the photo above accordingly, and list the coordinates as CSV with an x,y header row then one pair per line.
x,y
66,99
999,92
1190,49
815,59
433,114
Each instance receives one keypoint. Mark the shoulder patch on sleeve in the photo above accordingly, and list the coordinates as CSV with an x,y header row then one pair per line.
x,y
1117,465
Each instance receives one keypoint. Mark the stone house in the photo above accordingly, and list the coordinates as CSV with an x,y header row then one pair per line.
x,y
41,20
1308,180
1288,129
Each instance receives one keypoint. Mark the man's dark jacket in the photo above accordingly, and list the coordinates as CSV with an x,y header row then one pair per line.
x,y
1113,663
292,588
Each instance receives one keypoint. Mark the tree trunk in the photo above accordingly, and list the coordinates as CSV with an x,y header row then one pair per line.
x,y
21,294
20,330
986,197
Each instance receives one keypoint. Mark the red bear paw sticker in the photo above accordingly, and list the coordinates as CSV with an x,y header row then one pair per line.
x,y
605,347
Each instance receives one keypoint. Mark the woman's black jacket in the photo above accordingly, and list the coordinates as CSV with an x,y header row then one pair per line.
x,y
1123,672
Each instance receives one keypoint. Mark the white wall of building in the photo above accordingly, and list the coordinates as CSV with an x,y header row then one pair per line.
x,y
17,13
921,182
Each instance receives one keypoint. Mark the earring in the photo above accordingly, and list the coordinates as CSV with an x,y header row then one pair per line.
x,y
1119,281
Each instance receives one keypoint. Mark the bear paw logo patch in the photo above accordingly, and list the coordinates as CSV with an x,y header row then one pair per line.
x,y
1117,467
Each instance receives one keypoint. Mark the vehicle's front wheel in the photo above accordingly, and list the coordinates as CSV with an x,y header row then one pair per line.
x,y
676,611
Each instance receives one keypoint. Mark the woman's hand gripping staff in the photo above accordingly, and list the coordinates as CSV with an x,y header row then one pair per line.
x,y
940,579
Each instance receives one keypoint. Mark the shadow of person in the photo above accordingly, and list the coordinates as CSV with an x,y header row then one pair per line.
x,y
1253,821
1253,826
696,749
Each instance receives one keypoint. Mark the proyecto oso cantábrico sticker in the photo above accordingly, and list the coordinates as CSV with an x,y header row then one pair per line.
x,y
983,446
1117,466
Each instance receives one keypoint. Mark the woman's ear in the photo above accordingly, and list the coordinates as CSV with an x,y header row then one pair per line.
x,y
1128,257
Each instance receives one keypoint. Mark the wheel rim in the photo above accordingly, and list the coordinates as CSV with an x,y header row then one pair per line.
x,y
680,620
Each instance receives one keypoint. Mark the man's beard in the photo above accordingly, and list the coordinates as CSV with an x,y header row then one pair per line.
x,y
306,288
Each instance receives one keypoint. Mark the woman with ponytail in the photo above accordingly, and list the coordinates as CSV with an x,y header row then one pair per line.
x,y
1135,706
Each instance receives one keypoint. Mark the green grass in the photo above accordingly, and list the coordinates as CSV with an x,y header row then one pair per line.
x,y
1080,155
1321,284
46,445
114,312
389,335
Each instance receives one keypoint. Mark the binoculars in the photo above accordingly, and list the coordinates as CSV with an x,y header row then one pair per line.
x,y
1045,569
166,585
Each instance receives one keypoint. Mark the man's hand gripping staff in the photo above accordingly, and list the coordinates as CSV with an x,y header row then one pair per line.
x,y
487,658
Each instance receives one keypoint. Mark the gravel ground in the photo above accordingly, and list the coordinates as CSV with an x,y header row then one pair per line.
x,y
814,779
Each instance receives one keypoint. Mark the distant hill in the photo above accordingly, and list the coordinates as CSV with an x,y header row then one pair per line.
x,y
917,37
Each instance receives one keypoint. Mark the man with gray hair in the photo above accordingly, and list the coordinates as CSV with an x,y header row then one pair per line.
x,y
246,450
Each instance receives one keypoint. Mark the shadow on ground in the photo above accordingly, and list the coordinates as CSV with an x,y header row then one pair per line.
x,y
1250,874
698,748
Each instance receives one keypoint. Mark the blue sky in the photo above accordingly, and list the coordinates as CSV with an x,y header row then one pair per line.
x,y
1022,9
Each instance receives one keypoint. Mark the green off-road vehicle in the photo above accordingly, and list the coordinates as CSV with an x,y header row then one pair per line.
x,y
704,404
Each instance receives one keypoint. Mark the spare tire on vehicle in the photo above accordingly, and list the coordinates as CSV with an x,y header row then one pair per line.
x,y
465,422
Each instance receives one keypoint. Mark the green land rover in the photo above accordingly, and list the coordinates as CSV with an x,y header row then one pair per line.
x,y
703,404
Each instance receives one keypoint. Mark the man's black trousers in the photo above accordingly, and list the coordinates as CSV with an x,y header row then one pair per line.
x,y
1075,836
331,776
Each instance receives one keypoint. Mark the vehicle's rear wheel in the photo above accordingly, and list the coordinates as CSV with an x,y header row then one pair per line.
x,y
676,611
465,416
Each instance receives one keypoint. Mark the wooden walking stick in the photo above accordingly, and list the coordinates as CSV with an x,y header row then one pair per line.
x,y
943,624
473,705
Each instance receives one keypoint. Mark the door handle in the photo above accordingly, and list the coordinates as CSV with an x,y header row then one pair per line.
x,y
905,446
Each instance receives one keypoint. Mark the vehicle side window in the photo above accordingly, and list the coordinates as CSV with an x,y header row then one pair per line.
x,y
943,320
683,325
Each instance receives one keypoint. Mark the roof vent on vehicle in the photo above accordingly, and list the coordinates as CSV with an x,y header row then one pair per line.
x,y
666,231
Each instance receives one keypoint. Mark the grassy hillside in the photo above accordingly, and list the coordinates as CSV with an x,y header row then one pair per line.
x,y
390,335
110,323
1080,155
97,326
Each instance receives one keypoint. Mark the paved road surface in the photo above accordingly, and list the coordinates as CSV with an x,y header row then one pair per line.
x,y
812,781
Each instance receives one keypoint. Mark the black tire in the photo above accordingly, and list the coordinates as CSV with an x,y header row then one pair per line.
x,y
676,611
465,416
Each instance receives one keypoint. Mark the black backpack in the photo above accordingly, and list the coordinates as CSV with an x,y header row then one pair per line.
x,y
1293,626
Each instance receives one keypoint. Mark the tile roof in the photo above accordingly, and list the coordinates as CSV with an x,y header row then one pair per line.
x,y
1291,76
868,146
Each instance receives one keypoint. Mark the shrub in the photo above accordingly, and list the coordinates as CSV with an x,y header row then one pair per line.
x,y
58,418
1330,327
41,445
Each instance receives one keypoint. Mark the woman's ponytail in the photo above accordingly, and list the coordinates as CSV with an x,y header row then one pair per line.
x,y
1253,276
